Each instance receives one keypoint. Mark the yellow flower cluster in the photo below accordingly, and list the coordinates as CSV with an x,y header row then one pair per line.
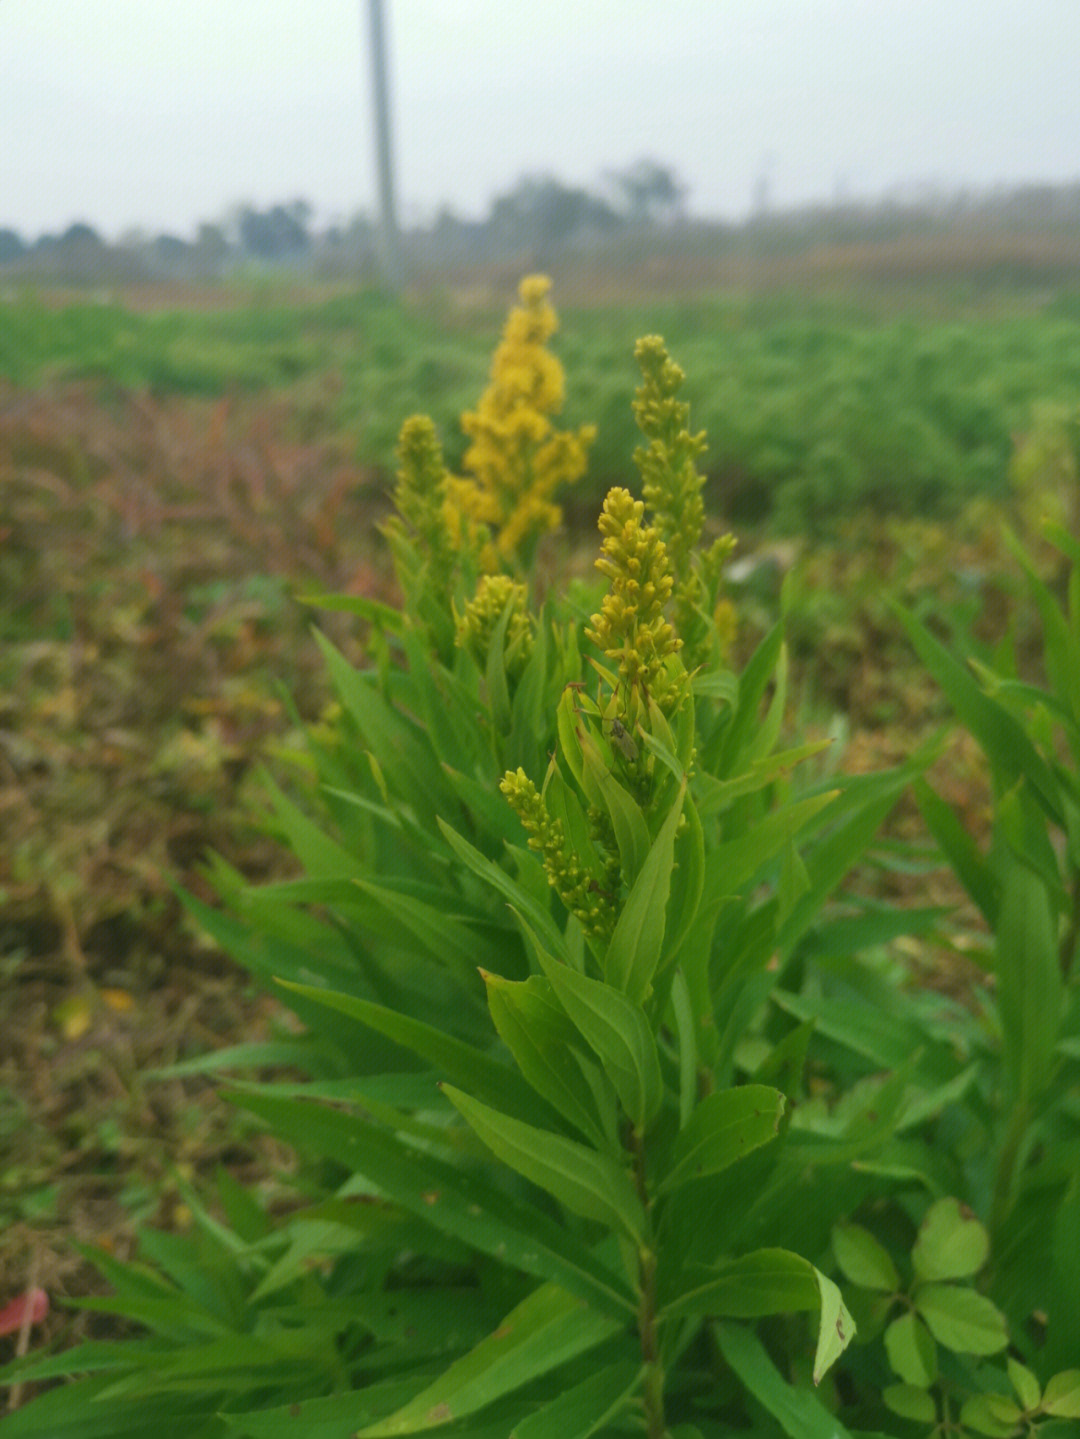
x,y
579,892
475,628
671,488
671,485
516,459
631,628
420,498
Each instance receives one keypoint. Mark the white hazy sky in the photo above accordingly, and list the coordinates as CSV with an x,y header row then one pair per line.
x,y
160,113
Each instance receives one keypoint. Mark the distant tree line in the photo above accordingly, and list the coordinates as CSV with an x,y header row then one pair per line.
x,y
539,213
540,218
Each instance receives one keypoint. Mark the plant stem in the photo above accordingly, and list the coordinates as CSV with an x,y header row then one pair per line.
x,y
1008,1158
648,1329
1072,931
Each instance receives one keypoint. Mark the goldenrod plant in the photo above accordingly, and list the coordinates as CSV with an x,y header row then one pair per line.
x,y
576,1135
517,460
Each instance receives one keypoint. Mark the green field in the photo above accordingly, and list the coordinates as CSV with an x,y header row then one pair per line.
x,y
813,408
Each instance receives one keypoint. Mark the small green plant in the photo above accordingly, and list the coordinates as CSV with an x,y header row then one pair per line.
x,y
997,1266
942,1312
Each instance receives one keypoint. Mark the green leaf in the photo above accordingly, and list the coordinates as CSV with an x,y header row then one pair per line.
x,y
498,691
538,918
321,856
734,863
591,1184
961,1319
1061,1397
723,1128
686,1031
627,819
329,1417
772,1281
1024,1383
80,1411
767,731
634,952
1002,737
716,795
836,1329
995,1415
461,1204
910,1402
570,734
1029,980
585,1409
438,932
1062,644
799,1412
863,1260
861,807
739,736
687,882
960,850
1023,825
618,1033
766,1281
563,805
397,742
911,1350
538,1034
542,1332
452,1057
951,1243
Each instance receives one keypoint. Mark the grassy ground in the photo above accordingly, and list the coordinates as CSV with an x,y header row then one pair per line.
x,y
177,473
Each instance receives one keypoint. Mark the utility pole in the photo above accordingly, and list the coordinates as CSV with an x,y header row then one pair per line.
x,y
389,234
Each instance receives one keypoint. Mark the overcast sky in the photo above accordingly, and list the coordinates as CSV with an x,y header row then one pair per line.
x,y
161,113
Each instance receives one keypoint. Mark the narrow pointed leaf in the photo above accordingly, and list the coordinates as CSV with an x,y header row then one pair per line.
x,y
1007,746
535,1029
545,1330
634,952
584,1410
591,1184
736,862
463,1205
752,684
619,1034
456,1060
1029,980
799,1412
627,820
540,919
687,883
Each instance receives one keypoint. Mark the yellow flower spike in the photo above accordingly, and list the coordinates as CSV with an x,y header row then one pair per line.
x,y
420,498
476,627
671,485
579,891
630,627
516,459
671,488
